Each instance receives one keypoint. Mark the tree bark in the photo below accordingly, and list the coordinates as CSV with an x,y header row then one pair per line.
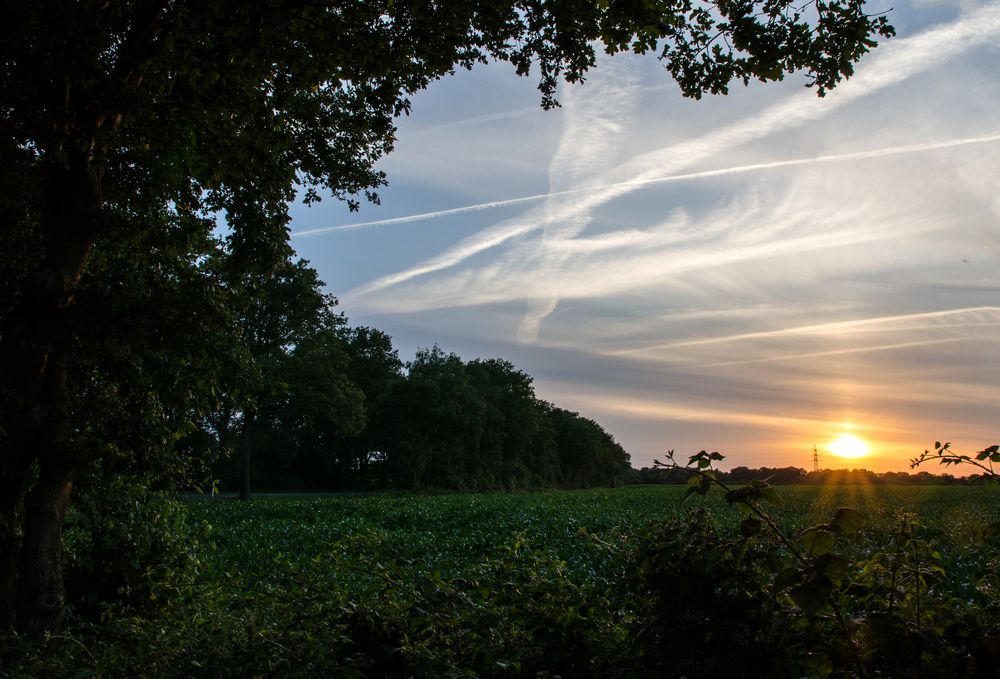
x,y
245,445
34,398
12,479
41,596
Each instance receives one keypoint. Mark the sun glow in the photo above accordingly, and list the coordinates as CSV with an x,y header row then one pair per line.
x,y
848,446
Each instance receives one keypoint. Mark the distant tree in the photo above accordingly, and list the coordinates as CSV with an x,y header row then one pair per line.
x,y
656,475
479,425
781,475
302,430
287,328
374,367
439,423
513,450
588,455
115,112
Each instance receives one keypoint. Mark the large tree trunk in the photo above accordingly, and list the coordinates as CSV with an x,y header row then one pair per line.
x,y
40,594
34,398
12,478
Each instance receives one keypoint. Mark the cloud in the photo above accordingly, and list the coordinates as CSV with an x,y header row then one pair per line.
x,y
743,231
595,121
981,316
891,64
834,352
484,119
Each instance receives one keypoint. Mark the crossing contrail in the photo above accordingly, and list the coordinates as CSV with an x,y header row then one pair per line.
x,y
704,174
896,62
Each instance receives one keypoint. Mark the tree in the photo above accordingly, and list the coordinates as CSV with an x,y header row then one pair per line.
x,y
283,320
588,455
115,112
438,424
515,450
373,366
309,405
136,384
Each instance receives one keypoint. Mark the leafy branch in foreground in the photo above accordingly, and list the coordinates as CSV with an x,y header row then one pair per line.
x,y
983,460
815,571
832,600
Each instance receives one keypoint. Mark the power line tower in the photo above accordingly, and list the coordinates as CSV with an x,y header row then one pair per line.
x,y
815,459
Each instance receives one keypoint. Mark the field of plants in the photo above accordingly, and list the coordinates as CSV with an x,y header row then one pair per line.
x,y
587,529
613,582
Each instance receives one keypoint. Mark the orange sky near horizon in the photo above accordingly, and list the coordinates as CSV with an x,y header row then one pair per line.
x,y
785,439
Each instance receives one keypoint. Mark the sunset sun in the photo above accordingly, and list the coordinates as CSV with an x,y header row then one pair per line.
x,y
849,446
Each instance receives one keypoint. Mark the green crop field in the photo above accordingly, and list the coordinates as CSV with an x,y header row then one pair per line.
x,y
451,533
612,582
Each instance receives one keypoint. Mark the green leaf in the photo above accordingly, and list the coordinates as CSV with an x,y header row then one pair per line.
x,y
751,526
813,595
816,665
697,457
817,541
786,578
832,567
718,555
847,521
769,494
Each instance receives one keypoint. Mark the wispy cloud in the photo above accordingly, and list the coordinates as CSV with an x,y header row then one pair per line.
x,y
596,119
892,64
834,352
740,232
984,316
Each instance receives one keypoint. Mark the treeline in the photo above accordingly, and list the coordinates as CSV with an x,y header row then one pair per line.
x,y
799,476
436,422
315,404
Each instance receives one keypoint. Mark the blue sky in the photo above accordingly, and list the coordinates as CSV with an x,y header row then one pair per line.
x,y
753,274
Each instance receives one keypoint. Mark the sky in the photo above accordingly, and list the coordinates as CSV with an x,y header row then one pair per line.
x,y
756,274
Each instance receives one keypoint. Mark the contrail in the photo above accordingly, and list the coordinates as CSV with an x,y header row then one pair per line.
x,y
479,120
897,62
705,174
673,411
429,215
819,328
834,352
591,135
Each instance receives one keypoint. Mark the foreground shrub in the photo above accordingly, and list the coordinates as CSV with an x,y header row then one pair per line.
x,y
129,547
708,606
764,603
